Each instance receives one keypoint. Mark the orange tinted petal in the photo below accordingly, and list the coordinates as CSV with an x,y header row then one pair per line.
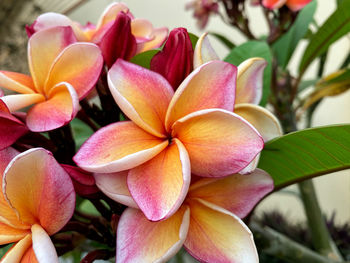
x,y
9,234
218,142
143,95
141,240
29,256
16,82
20,101
18,250
117,147
45,196
210,86
158,37
216,235
296,5
160,185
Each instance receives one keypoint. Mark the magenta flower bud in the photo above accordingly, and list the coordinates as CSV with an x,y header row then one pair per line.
x,y
118,41
175,61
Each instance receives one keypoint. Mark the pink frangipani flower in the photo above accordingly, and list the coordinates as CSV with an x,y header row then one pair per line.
x,y
207,223
171,134
36,200
62,72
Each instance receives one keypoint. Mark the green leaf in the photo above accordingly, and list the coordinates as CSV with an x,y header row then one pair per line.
x,y
81,132
193,39
285,46
305,154
343,77
144,59
307,83
254,49
224,40
336,26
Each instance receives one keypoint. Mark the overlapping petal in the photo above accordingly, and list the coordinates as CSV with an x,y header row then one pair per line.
x,y
210,86
140,240
60,108
18,250
203,51
111,12
45,196
121,146
11,128
236,193
249,81
143,95
10,234
79,64
160,185
262,119
43,48
19,101
158,37
218,142
17,82
43,247
216,235
29,256
114,185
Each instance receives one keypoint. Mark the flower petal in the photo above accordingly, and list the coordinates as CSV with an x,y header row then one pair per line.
x,y
140,240
262,119
250,80
10,234
209,86
114,185
273,4
17,82
218,142
43,48
236,193
49,20
142,29
110,13
158,37
19,101
80,65
59,109
45,195
216,235
296,5
18,250
117,147
11,128
29,256
160,185
143,95
42,245
203,51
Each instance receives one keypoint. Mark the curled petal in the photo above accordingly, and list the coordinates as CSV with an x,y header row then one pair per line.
x,y
48,20
218,142
117,147
158,37
9,234
236,193
114,185
111,12
58,110
203,52
10,127
296,5
19,101
160,185
216,235
250,81
80,65
262,119
45,196
16,82
140,240
43,247
43,48
143,95
210,86
18,250
142,29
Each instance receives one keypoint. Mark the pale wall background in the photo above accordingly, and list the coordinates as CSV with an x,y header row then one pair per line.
x,y
334,189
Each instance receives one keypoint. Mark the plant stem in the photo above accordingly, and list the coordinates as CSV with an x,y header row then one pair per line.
x,y
319,232
280,246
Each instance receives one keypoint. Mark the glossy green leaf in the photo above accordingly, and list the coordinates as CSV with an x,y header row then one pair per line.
x,y
193,39
81,132
305,154
285,46
336,26
254,49
144,59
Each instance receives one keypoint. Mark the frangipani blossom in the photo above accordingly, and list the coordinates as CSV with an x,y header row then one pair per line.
x,y
62,73
36,200
171,135
11,128
294,5
248,93
202,9
117,32
207,223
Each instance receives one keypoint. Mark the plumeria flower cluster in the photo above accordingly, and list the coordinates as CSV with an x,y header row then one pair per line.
x,y
179,170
